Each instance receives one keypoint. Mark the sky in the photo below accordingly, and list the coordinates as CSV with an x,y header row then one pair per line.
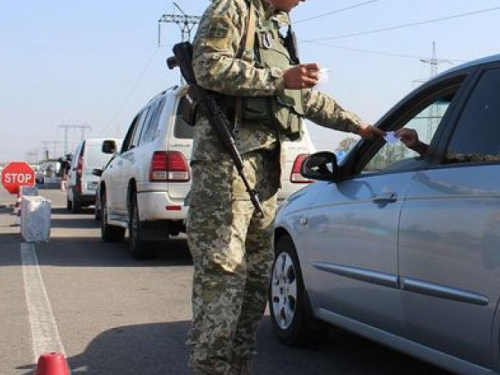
x,y
73,68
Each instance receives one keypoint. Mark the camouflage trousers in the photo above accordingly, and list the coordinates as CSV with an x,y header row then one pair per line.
x,y
232,255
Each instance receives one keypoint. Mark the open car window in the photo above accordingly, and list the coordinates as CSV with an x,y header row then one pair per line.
x,y
425,117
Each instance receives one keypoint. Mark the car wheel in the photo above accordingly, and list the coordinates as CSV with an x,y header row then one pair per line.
x,y
139,248
97,209
291,315
109,233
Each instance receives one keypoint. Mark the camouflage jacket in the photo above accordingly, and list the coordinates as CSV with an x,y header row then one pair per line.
x,y
218,67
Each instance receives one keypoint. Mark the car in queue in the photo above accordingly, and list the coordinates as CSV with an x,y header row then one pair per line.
x,y
143,189
399,247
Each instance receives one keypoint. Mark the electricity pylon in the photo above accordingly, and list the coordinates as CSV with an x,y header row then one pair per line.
x,y
67,127
434,110
185,22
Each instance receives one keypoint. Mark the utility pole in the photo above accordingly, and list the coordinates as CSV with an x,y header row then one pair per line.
x,y
66,128
434,110
434,61
185,22
46,147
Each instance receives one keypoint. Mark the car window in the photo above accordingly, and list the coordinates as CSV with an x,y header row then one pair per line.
x,y
144,116
149,132
476,138
394,156
181,128
127,141
74,161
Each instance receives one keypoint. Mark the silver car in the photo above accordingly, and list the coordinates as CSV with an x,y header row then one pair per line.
x,y
399,247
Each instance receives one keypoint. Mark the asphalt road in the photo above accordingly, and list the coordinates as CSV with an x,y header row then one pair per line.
x,y
115,315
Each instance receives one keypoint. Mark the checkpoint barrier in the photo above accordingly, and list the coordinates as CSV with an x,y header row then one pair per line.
x,y
35,219
23,191
52,364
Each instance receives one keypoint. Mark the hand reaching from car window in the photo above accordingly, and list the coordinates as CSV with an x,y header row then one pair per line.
x,y
409,137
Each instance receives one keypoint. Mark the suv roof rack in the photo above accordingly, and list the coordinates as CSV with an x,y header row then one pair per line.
x,y
171,88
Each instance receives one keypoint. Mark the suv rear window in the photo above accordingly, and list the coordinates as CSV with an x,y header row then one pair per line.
x,y
95,157
181,128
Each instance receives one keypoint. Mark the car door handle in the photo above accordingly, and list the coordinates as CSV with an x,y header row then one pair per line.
x,y
389,197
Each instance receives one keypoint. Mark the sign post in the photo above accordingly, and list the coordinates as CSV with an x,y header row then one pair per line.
x,y
17,174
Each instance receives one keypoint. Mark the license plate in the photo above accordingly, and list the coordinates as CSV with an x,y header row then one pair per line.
x,y
92,185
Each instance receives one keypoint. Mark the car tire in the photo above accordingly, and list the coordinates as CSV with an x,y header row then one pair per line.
x,y
109,233
139,248
291,315
97,209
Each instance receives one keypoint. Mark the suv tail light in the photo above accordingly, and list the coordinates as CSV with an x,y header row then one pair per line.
x,y
168,166
295,176
79,167
79,173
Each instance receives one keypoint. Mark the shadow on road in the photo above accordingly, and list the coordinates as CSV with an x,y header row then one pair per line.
x,y
93,252
154,349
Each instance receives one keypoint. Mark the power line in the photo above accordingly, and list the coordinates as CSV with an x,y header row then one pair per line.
x,y
406,25
125,100
370,52
335,11
66,128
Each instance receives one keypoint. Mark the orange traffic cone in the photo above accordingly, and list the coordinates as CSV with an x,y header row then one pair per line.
x,y
52,364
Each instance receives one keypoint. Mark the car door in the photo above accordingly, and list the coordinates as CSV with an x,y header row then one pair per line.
x,y
352,245
116,180
353,227
449,236
127,161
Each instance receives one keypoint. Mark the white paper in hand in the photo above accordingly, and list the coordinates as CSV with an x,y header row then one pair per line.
x,y
323,79
391,138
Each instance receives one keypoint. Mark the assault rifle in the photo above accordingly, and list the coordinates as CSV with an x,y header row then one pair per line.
x,y
183,57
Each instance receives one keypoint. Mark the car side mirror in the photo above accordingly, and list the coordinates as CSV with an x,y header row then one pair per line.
x,y
108,146
320,166
97,172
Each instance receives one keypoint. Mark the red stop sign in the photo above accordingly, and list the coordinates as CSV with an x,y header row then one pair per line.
x,y
17,174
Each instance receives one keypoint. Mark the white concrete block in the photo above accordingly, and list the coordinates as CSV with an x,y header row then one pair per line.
x,y
35,218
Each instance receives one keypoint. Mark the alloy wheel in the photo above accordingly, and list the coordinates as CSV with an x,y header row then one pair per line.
x,y
284,290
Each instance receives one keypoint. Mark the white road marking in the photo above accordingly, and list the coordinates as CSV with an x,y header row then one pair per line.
x,y
44,332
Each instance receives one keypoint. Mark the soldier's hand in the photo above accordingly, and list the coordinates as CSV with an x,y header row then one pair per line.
x,y
367,131
302,76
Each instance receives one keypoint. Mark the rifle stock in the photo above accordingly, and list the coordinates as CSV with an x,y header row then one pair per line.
x,y
183,57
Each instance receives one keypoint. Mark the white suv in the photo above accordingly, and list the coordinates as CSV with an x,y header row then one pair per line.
x,y
144,186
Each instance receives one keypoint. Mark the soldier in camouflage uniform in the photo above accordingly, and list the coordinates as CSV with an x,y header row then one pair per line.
x,y
230,244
